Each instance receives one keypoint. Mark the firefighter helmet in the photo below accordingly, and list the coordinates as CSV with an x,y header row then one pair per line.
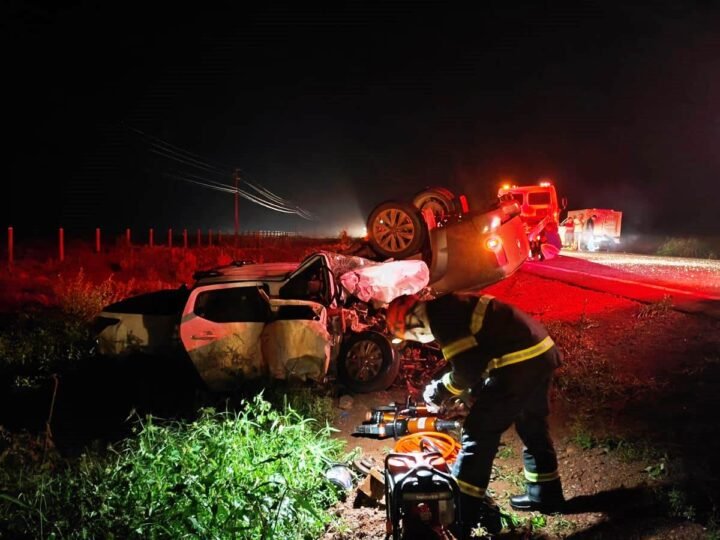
x,y
396,312
407,319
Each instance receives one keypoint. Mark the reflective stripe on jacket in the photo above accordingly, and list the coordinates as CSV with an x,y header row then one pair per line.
x,y
479,334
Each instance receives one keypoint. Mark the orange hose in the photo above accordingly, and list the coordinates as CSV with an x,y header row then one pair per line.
x,y
419,442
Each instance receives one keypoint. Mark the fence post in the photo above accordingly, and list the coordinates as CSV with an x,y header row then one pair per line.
x,y
61,244
11,247
151,238
169,238
210,238
185,240
97,240
128,241
199,239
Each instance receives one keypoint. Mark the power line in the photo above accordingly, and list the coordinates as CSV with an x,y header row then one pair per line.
x,y
196,157
244,194
180,159
264,196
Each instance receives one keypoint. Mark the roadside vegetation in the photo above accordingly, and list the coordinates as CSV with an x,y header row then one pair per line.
x,y
688,247
256,473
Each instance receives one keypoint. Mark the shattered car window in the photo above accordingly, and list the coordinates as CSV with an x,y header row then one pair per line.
x,y
238,304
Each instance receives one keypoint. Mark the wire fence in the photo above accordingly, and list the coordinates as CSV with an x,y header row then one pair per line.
x,y
19,246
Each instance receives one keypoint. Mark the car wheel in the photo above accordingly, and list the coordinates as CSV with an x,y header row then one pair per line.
x,y
440,201
396,230
367,362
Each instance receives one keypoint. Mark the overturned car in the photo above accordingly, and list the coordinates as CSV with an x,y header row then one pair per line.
x,y
321,317
463,249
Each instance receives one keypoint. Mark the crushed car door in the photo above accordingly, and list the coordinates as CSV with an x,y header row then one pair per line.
x,y
296,345
312,280
221,330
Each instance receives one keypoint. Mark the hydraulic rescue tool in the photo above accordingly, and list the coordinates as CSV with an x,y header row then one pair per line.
x,y
422,497
396,420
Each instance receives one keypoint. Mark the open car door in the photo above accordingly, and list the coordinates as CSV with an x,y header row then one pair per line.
x,y
312,280
221,329
296,345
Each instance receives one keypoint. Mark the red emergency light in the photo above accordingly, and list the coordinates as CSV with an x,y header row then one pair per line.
x,y
494,243
464,206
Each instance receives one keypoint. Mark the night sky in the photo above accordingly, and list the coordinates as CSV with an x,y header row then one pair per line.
x,y
341,106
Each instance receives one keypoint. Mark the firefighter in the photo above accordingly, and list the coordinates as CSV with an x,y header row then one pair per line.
x,y
505,360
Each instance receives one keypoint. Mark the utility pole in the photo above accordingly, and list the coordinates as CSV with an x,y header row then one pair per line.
x,y
236,177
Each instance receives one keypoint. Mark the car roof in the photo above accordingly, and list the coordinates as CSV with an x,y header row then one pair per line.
x,y
247,272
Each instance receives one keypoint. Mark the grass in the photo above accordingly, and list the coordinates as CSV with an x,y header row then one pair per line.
x,y
505,452
525,524
678,505
586,377
624,449
582,437
656,309
258,473
687,247
562,525
713,525
310,401
512,477
35,345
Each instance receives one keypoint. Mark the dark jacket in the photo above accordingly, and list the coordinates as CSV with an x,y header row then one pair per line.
x,y
499,331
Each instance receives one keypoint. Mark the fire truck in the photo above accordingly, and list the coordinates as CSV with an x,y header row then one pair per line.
x,y
540,212
584,230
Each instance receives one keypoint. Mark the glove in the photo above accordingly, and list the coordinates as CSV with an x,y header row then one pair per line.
x,y
435,395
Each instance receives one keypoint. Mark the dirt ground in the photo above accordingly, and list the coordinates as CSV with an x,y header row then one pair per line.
x,y
633,420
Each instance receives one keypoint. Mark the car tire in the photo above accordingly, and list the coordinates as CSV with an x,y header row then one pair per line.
x,y
396,230
441,201
367,362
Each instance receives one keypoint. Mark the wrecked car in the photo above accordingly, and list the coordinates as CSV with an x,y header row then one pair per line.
x,y
284,320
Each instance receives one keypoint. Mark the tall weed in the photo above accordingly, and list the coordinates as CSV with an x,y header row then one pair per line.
x,y
81,298
258,473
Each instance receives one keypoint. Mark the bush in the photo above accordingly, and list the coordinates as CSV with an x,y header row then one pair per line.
x,y
686,247
82,299
35,345
254,474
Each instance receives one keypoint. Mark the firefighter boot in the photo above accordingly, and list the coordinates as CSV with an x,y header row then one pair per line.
x,y
545,497
478,512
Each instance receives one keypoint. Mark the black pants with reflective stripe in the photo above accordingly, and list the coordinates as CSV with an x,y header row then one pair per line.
x,y
514,394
